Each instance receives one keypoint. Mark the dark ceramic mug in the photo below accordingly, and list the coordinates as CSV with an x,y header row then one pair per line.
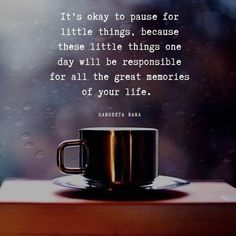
x,y
114,155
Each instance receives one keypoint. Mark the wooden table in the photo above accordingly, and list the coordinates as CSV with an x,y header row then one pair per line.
x,y
38,207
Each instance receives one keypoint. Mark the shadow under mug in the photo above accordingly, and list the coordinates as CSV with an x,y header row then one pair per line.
x,y
114,155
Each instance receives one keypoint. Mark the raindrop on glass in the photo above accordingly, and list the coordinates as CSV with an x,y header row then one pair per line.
x,y
19,123
55,91
29,145
2,146
9,117
28,107
226,160
207,94
25,136
38,40
35,78
40,154
6,108
180,112
231,151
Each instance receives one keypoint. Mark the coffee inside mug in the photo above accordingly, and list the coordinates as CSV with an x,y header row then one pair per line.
x,y
114,155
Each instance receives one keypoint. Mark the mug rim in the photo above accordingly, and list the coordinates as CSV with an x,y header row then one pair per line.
x,y
119,129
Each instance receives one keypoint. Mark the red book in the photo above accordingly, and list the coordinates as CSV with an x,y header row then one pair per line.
x,y
32,207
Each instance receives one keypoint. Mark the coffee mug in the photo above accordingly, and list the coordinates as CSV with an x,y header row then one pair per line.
x,y
114,155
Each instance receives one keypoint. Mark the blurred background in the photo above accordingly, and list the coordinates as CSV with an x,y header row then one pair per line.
x,y
196,119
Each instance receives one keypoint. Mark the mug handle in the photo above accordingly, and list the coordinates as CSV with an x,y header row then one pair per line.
x,y
60,155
